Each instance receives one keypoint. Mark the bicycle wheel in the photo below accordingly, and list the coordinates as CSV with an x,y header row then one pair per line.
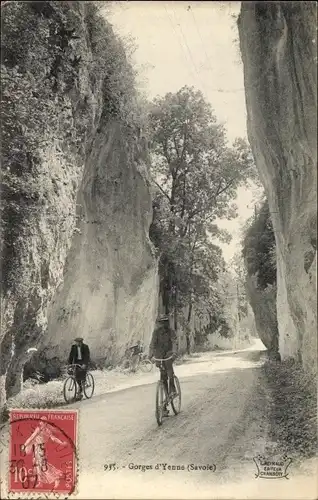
x,y
69,390
89,386
146,365
160,397
176,401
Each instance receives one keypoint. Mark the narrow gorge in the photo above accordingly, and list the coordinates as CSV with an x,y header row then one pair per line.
x,y
77,200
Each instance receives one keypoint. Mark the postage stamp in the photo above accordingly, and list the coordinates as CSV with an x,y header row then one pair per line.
x,y
43,451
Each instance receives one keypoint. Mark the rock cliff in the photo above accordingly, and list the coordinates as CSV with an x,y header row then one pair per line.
x,y
279,51
76,258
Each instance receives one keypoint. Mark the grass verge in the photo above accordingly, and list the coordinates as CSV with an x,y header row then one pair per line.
x,y
292,409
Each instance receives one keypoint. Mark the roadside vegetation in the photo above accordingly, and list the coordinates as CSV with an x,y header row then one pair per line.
x,y
292,409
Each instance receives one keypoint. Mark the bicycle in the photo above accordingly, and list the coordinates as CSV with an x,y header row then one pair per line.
x,y
143,362
162,398
70,389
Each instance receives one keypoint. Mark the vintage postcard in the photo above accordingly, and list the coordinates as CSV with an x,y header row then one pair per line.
x,y
158,250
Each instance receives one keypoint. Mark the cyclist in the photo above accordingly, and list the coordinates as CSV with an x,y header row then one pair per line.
x,y
164,345
79,355
136,350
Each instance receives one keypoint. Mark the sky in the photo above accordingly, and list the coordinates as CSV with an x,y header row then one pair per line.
x,y
194,44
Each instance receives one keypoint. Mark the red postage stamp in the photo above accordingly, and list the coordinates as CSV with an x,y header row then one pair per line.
x,y
42,451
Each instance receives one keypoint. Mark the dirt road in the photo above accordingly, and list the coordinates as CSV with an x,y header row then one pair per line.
x,y
205,452
222,426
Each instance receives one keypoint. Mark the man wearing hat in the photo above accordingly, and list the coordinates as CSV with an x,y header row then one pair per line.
x,y
163,345
79,355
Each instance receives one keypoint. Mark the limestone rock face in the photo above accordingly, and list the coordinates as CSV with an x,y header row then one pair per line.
x,y
76,206
278,46
109,291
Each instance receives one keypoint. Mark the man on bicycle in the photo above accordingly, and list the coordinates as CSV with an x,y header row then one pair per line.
x,y
164,345
79,355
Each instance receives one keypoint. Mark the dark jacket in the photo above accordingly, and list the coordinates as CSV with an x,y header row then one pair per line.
x,y
164,341
73,357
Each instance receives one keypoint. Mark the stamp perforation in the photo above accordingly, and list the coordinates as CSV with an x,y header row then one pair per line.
x,y
44,431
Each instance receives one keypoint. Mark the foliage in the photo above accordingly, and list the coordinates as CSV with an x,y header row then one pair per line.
x,y
238,266
64,74
46,49
194,168
259,249
47,395
259,254
195,176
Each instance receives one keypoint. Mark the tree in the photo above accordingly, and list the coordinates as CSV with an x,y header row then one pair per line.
x,y
259,249
259,253
239,275
195,174
194,168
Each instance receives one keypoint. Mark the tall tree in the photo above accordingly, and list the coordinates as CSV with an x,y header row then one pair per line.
x,y
195,174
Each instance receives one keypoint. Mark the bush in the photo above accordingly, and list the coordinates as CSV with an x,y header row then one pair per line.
x,y
47,395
